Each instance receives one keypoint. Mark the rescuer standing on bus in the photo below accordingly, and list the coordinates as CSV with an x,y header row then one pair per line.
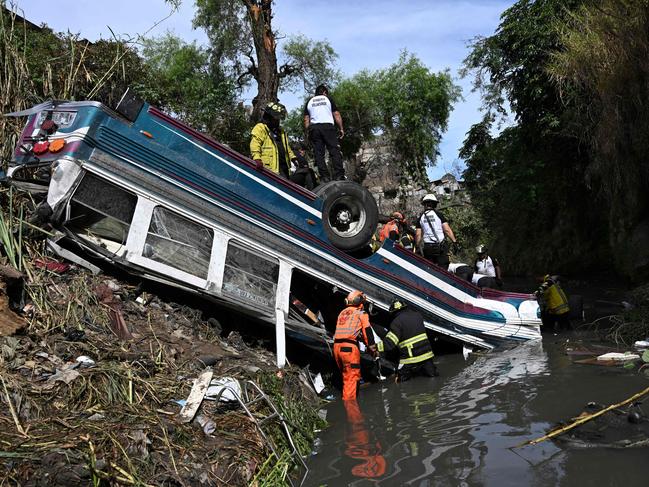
x,y
408,334
269,145
353,326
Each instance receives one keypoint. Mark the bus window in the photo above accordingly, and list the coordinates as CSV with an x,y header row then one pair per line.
x,y
250,276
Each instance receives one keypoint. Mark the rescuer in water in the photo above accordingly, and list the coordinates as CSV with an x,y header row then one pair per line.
x,y
555,310
408,334
353,326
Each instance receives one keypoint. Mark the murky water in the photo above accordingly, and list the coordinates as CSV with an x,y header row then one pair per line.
x,y
459,429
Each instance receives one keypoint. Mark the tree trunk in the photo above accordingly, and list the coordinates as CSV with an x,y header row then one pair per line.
x,y
260,13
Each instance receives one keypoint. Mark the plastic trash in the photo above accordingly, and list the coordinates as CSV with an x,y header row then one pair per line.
x,y
318,383
226,385
206,423
642,343
85,361
466,351
619,357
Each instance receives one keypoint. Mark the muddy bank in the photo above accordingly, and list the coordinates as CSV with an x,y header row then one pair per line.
x,y
91,375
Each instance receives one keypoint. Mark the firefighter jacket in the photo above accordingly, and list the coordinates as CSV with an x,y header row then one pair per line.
x,y
389,230
263,147
353,326
407,242
408,334
552,298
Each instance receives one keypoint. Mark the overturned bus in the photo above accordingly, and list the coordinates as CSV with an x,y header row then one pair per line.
x,y
145,192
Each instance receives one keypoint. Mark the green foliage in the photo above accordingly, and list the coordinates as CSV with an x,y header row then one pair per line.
x,y
356,100
606,55
528,181
406,104
414,105
468,227
38,64
238,30
309,63
510,66
182,79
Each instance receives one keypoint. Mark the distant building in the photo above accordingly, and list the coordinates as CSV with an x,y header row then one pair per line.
x,y
447,186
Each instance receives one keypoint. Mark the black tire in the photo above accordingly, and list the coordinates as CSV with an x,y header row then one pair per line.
x,y
349,214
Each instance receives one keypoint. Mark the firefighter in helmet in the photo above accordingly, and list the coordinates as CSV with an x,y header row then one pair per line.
x,y
408,334
393,228
352,327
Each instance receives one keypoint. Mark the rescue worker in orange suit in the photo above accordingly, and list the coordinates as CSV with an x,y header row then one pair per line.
x,y
353,326
393,228
408,334
360,444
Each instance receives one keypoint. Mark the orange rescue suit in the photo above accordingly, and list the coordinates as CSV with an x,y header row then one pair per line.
x,y
387,229
360,444
353,325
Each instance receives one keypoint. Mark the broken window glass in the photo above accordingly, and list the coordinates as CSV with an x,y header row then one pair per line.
x,y
179,242
100,209
250,276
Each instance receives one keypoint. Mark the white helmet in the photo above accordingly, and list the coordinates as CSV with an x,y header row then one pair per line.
x,y
429,198
481,249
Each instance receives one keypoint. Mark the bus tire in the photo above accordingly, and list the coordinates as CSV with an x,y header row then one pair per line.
x,y
349,214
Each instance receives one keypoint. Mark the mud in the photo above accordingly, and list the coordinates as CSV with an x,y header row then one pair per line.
x,y
112,417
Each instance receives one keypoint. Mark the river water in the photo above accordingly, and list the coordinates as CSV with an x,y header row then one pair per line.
x,y
459,429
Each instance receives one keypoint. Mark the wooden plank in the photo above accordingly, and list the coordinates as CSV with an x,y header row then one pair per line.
x,y
195,398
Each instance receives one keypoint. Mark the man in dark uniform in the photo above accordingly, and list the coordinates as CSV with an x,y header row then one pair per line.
x,y
320,113
408,334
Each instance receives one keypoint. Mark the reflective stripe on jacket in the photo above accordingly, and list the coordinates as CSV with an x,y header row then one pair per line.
x,y
263,147
352,325
407,332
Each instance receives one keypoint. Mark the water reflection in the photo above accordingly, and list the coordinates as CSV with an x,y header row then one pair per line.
x,y
361,444
459,429
434,428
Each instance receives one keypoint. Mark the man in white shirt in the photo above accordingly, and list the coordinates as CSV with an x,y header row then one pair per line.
x,y
320,113
433,229
486,266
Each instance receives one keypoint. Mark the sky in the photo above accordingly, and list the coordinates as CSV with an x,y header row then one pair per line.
x,y
364,33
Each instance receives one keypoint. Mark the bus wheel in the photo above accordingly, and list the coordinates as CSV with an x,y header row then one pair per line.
x,y
349,214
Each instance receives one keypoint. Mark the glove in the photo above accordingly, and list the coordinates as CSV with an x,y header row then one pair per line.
x,y
455,247
260,165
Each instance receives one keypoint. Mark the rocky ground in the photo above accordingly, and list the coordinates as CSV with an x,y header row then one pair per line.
x,y
91,369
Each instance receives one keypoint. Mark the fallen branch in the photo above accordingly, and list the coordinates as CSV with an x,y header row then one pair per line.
x,y
13,410
583,419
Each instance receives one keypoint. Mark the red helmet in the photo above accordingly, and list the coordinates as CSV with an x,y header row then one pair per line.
x,y
397,215
355,298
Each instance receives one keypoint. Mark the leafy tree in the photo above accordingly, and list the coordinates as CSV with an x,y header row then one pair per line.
x,y
606,55
39,64
405,104
242,38
182,79
528,181
414,106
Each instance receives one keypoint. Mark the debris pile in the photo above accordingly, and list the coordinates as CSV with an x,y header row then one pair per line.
x,y
94,374
631,324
